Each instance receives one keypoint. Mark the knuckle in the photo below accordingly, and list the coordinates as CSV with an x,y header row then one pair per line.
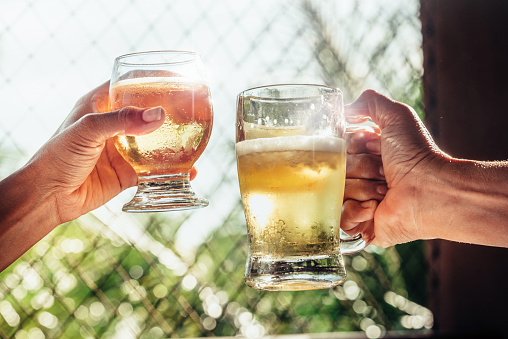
x,y
88,127
125,115
89,121
370,93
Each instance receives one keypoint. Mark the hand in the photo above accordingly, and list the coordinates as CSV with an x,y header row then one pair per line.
x,y
79,165
409,157
76,171
365,183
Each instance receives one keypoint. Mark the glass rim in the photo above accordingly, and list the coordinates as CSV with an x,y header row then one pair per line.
x,y
123,59
245,93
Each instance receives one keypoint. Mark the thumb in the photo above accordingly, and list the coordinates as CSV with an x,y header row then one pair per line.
x,y
383,110
399,120
98,127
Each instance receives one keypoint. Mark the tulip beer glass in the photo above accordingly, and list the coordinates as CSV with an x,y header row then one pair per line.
x,y
163,159
291,158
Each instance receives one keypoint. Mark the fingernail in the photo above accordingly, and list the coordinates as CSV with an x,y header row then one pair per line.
x,y
382,189
382,171
152,114
374,145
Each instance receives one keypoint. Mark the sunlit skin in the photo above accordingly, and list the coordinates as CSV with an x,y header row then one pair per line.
x,y
428,194
75,172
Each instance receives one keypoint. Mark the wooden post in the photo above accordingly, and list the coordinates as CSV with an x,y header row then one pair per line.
x,y
465,47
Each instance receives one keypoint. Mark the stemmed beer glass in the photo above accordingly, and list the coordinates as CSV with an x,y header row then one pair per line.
x,y
174,80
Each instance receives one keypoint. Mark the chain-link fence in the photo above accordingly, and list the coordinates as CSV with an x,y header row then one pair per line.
x,y
180,274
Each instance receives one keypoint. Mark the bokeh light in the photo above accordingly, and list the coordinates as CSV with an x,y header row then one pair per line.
x,y
116,275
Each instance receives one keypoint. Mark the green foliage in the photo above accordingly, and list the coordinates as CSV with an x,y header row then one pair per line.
x,y
93,287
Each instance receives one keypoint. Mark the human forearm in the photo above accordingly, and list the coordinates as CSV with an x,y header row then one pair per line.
x,y
469,203
27,213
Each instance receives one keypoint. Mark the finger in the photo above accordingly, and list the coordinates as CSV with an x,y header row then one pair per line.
x,y
355,217
367,105
100,98
366,229
363,190
363,141
98,127
383,110
364,166
96,101
193,173
130,178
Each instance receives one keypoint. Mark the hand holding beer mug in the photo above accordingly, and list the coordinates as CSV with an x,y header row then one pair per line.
x,y
291,157
163,159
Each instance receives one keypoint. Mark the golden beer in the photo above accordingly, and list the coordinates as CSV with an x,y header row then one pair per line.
x,y
177,144
292,191
291,159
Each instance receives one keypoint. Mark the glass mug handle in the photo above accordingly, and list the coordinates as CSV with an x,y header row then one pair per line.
x,y
352,244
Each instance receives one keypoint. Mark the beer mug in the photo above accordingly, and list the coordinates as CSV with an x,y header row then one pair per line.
x,y
291,158
163,159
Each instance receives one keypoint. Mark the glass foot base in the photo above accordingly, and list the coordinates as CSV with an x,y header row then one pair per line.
x,y
164,193
295,274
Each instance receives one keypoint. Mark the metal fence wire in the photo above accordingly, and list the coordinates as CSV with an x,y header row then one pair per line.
x,y
180,274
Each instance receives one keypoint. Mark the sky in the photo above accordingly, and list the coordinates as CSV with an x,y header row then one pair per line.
x,y
54,51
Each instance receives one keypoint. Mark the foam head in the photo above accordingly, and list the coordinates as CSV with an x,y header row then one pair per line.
x,y
291,143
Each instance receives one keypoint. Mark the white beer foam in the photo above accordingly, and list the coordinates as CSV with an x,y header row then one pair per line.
x,y
291,143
